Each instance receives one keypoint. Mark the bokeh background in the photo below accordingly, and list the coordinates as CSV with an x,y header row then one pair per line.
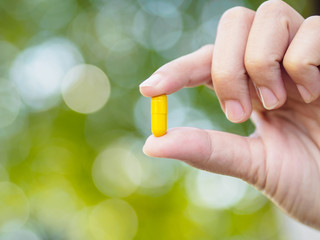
x,y
72,125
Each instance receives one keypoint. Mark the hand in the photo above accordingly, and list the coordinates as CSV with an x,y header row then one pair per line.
x,y
264,64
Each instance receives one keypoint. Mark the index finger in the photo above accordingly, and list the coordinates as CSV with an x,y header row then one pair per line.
x,y
190,70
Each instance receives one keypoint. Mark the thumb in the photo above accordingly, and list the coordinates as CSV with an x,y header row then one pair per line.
x,y
213,151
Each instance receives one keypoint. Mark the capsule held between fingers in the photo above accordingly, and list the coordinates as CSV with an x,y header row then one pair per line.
x,y
159,115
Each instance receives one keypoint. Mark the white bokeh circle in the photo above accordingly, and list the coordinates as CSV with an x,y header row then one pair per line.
x,y
85,88
38,71
113,219
117,172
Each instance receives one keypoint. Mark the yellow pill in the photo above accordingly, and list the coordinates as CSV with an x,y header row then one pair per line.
x,y
159,115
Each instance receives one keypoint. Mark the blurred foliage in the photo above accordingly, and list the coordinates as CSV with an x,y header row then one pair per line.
x,y
69,175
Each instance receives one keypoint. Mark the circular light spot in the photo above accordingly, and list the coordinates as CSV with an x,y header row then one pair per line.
x,y
116,172
38,72
54,207
184,46
54,14
215,191
14,206
160,8
78,228
113,22
113,219
251,202
9,103
159,33
158,174
85,88
205,33
166,32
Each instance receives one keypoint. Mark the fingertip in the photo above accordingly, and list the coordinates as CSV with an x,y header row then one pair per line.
x,y
305,94
145,151
150,91
144,91
268,98
150,87
178,143
236,112
272,98
150,146
157,146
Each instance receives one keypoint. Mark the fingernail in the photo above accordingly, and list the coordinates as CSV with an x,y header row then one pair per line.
x,y
269,100
234,110
305,94
152,81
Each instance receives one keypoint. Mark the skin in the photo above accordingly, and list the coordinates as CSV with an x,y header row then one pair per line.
x,y
264,65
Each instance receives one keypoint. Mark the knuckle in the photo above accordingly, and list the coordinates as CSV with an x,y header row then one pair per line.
x,y
258,64
294,64
291,64
271,6
275,9
228,84
223,76
235,13
313,20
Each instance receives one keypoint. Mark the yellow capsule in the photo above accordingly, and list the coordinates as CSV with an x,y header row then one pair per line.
x,y
159,115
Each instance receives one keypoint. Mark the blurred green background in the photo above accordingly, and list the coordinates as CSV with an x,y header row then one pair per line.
x,y
72,125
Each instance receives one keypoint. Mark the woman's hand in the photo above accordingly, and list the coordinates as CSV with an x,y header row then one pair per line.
x,y
264,65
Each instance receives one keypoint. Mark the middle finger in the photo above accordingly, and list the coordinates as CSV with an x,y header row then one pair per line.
x,y
273,28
